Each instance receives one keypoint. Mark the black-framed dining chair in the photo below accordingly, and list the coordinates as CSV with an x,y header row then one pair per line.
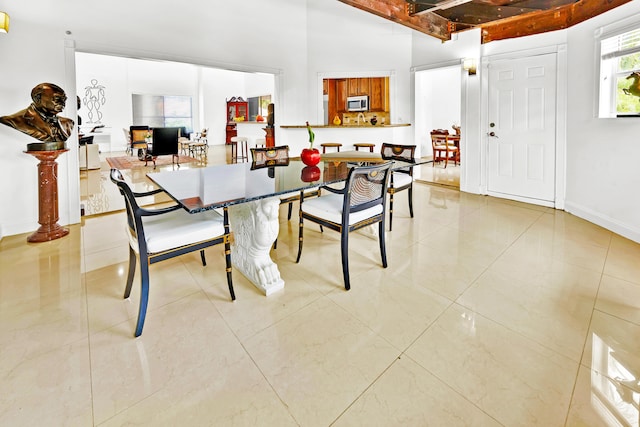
x,y
401,179
158,234
362,202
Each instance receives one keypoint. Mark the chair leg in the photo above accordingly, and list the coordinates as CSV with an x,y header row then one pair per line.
x,y
390,211
132,272
410,202
290,209
227,252
144,293
383,248
344,249
204,260
300,236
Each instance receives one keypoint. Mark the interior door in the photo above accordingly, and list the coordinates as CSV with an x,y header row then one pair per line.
x,y
522,129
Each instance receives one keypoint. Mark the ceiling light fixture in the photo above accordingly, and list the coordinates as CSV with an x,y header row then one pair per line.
x,y
4,22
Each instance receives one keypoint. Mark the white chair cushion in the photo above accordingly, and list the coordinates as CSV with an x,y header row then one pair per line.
x,y
401,179
178,228
329,207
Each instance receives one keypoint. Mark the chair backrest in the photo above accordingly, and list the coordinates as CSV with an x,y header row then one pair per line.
x,y
398,152
439,137
270,156
165,141
366,187
86,140
138,133
132,207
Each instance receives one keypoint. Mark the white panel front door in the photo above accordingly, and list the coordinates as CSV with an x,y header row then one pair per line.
x,y
522,128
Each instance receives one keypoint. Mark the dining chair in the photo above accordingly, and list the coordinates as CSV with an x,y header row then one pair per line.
x,y
277,156
138,139
360,203
157,234
441,144
270,156
401,179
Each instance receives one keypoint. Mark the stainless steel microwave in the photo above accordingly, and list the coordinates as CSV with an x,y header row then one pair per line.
x,y
358,103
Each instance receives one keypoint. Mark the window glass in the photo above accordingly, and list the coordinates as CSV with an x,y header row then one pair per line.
x,y
162,111
620,75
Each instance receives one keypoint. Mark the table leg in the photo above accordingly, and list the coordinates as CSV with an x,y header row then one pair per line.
x,y
255,228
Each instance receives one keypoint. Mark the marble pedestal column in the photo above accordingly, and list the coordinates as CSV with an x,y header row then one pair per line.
x,y
47,197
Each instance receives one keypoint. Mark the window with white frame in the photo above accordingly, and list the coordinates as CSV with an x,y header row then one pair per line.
x,y
620,75
162,111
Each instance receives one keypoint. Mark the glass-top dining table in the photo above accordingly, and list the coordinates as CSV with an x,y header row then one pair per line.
x,y
252,194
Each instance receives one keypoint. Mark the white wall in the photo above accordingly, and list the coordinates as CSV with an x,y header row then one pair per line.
x,y
602,154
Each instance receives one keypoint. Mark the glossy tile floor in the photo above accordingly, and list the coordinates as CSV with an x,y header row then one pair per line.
x,y
438,174
491,313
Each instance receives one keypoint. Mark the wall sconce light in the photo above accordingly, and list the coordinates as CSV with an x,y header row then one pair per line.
x,y
4,22
469,64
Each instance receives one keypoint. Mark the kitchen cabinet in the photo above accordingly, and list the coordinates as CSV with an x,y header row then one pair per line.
x,y
377,88
377,94
353,88
358,86
341,96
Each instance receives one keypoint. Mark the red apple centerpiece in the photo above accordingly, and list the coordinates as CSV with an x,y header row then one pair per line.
x,y
310,156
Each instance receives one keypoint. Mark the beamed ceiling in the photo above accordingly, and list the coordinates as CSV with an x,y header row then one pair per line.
x,y
498,19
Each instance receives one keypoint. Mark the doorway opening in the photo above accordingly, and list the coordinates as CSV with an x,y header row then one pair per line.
x,y
438,106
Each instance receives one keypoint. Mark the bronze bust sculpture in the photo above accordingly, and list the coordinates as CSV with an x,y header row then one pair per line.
x,y
40,120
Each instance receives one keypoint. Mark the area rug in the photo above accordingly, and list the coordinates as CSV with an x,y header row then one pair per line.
x,y
131,162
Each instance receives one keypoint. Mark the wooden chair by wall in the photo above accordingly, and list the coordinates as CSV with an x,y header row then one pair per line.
x,y
443,149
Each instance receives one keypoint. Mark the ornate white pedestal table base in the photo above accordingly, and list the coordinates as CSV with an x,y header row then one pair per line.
x,y
255,227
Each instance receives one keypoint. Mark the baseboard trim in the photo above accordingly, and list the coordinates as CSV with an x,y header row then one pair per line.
x,y
598,218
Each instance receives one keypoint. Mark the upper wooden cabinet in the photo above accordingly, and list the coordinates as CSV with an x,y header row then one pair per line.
x,y
377,88
377,94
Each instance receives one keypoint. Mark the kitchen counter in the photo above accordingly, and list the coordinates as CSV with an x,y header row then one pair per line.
x,y
350,126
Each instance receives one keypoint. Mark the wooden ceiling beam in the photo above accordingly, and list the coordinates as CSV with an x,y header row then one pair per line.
x,y
550,20
397,11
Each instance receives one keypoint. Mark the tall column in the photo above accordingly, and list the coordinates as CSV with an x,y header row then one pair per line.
x,y
47,197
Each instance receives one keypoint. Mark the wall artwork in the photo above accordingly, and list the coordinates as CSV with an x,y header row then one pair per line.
x,y
94,98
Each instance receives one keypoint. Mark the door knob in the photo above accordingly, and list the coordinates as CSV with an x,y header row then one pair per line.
x,y
493,134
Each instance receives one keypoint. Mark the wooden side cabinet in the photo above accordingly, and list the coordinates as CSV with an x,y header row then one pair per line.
x,y
236,107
